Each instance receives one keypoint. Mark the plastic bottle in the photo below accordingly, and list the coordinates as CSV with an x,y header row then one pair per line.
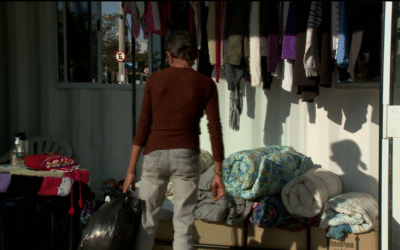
x,y
21,150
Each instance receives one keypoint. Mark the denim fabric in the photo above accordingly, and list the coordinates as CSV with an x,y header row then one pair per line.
x,y
158,166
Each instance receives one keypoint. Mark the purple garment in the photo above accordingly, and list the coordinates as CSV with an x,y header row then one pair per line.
x,y
290,35
5,179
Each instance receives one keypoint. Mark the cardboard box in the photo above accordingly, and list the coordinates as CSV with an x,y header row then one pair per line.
x,y
365,241
210,233
275,238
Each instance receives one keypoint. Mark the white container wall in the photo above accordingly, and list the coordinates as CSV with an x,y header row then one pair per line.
x,y
339,131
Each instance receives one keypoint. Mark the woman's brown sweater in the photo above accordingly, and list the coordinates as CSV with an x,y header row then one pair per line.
x,y
174,102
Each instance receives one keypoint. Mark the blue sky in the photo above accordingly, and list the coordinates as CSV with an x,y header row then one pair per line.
x,y
113,7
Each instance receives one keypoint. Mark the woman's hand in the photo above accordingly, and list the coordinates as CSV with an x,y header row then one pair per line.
x,y
217,187
130,179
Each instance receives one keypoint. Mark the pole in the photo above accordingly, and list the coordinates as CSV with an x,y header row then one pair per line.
x,y
121,33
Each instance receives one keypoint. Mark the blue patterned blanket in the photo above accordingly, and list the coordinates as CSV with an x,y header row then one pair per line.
x,y
263,171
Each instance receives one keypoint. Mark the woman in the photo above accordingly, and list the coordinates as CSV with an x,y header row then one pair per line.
x,y
174,101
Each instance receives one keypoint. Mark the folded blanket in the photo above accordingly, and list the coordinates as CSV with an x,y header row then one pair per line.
x,y
263,171
238,210
229,209
359,210
306,194
207,209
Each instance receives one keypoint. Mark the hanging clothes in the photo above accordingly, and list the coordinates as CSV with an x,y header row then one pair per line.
x,y
217,39
270,47
235,47
211,33
287,69
141,7
235,108
255,53
326,60
357,36
204,65
273,49
343,50
265,75
222,32
311,56
228,20
365,59
308,86
165,12
289,38
152,17
335,27
180,15
197,21
279,67
136,20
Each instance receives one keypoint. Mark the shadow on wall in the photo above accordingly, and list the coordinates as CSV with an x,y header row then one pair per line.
x,y
277,112
353,104
347,156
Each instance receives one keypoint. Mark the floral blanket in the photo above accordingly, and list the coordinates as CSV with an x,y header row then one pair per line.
x,y
270,212
263,171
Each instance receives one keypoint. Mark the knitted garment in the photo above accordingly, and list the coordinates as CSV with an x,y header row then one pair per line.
x,y
236,107
58,162
173,103
311,55
290,35
255,51
211,33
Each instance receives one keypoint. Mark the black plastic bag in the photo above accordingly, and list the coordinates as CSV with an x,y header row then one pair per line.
x,y
114,225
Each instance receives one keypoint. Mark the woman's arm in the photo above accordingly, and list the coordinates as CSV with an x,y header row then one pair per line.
x,y
130,178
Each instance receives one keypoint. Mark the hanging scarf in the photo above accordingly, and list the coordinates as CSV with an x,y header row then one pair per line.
x,y
236,107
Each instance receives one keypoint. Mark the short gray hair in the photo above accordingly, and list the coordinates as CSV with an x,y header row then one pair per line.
x,y
182,45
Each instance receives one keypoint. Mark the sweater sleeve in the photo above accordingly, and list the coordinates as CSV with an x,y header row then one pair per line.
x,y
311,56
214,124
145,118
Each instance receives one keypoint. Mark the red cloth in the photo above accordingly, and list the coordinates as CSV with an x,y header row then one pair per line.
x,y
50,186
165,13
34,161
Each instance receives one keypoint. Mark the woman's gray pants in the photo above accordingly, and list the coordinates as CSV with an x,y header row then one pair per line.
x,y
182,165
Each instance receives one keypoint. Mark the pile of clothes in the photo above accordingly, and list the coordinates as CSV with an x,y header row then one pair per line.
x,y
289,192
276,186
